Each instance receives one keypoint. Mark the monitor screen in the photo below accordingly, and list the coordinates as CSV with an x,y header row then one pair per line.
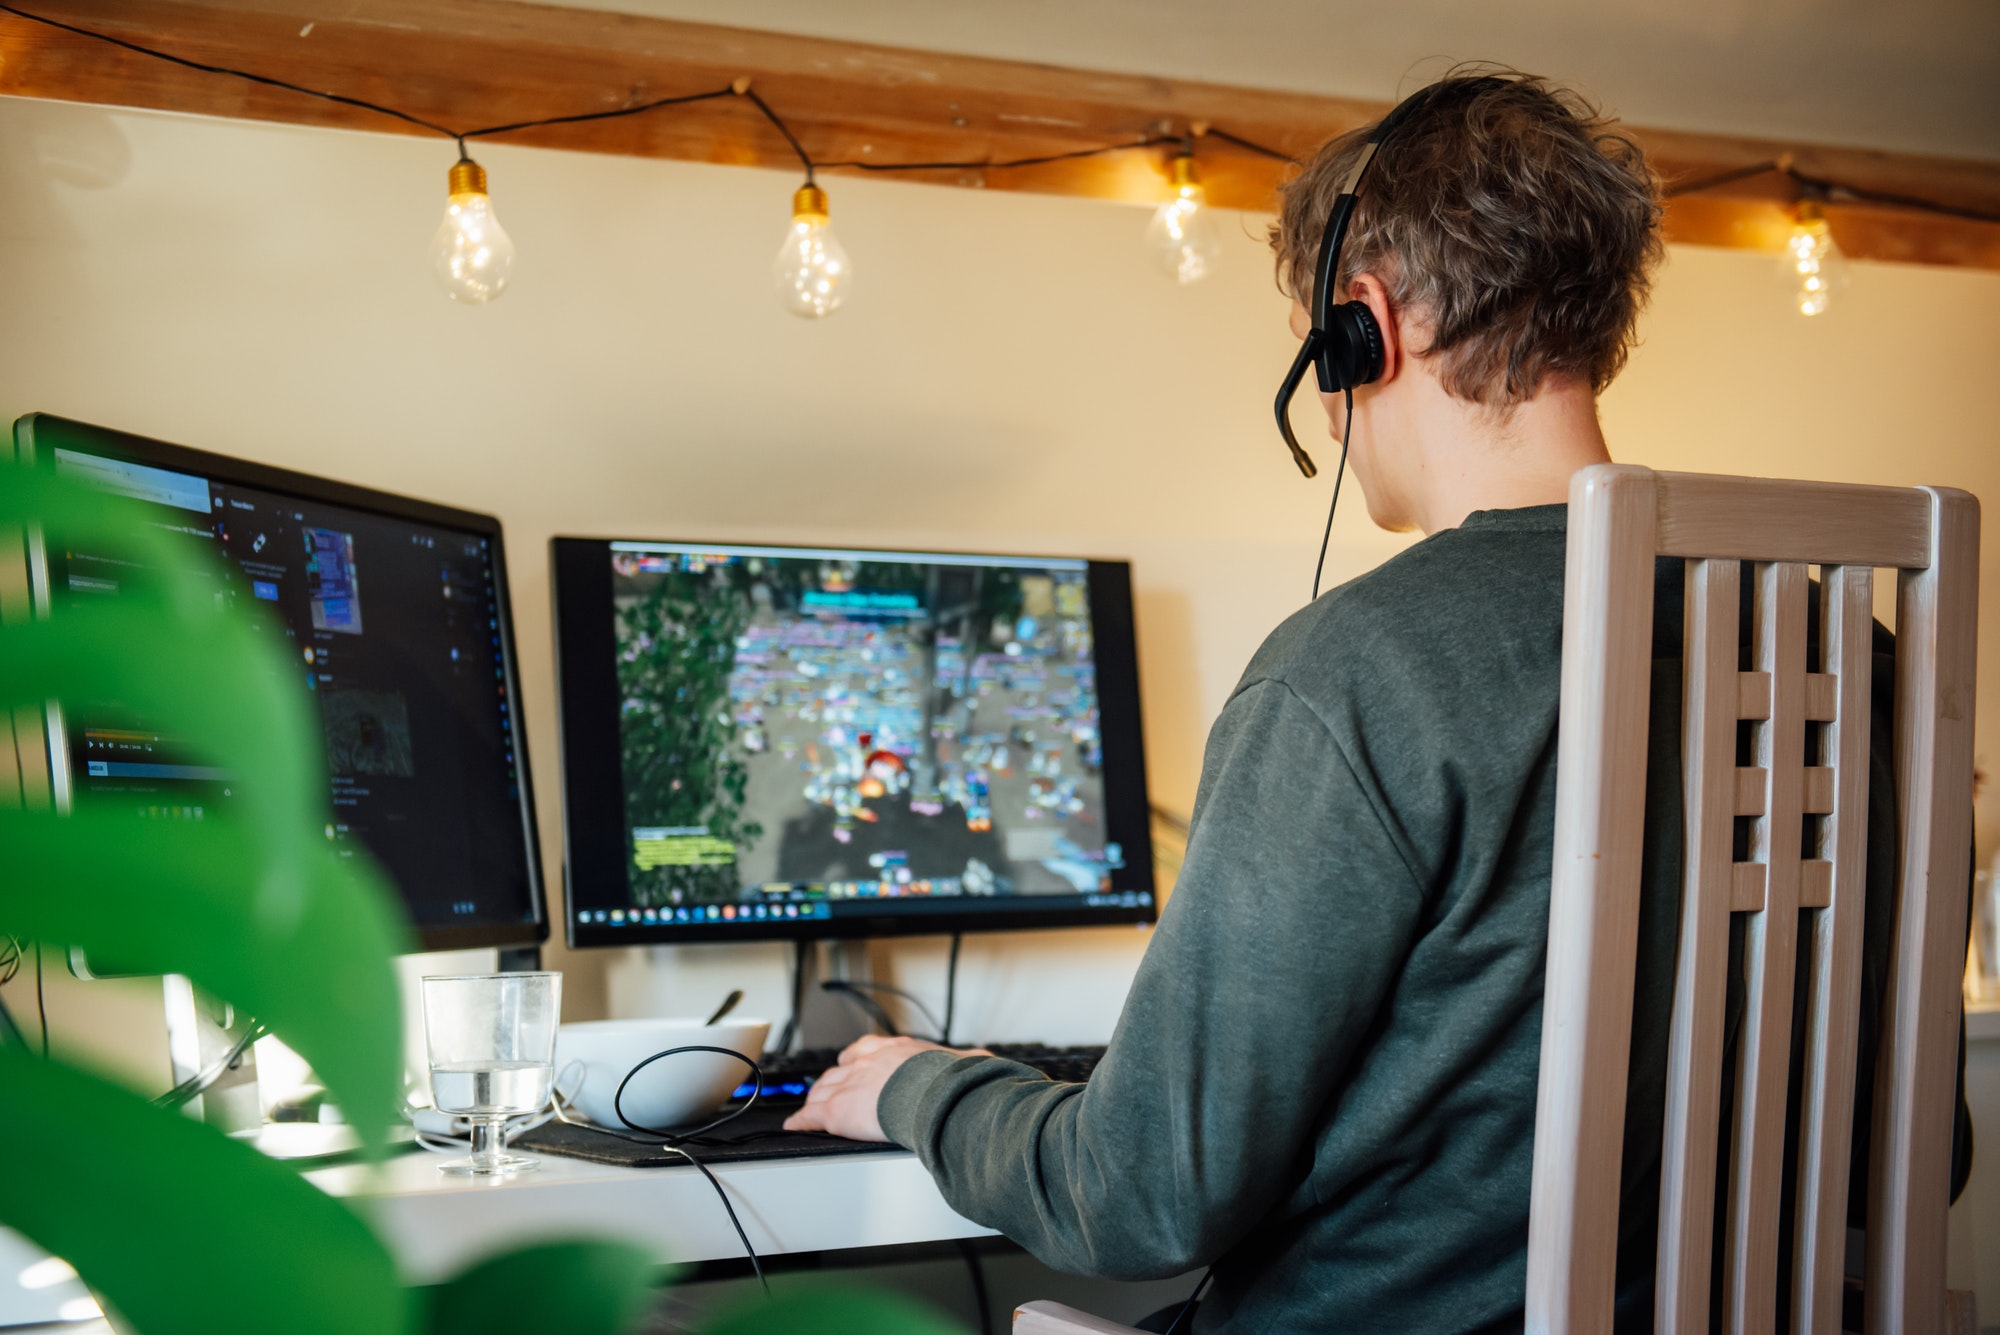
x,y
790,741
396,614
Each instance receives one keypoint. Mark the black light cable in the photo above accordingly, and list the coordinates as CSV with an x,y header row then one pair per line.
x,y
1346,435
207,68
740,88
1825,187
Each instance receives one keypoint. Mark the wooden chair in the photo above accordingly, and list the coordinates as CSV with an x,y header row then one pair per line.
x,y
1621,518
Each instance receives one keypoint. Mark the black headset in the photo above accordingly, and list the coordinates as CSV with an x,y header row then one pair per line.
x,y
1345,345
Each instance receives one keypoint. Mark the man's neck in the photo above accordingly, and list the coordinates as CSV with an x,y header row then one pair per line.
x,y
1488,461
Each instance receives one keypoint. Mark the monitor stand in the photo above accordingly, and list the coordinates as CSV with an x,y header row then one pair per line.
x,y
201,1033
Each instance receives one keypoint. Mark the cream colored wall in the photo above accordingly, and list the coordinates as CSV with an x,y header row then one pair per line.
x,y
1010,375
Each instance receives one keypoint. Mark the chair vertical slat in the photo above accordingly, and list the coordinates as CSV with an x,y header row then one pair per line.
x,y
1711,700
1910,1160
1834,985
1593,901
1756,1166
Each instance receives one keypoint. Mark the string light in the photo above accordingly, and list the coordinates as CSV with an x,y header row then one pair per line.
x,y
471,253
812,271
1182,235
1812,267
1188,255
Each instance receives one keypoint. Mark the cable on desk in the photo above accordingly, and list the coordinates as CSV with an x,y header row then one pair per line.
x,y
672,1141
970,1251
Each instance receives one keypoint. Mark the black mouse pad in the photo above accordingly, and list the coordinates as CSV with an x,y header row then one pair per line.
x,y
757,1134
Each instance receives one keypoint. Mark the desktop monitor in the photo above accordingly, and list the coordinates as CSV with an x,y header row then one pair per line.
x,y
396,612
769,741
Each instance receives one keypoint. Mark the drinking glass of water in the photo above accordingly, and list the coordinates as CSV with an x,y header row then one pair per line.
x,y
492,1047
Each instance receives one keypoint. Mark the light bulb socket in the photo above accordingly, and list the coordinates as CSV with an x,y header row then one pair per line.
x,y
809,204
1184,173
467,178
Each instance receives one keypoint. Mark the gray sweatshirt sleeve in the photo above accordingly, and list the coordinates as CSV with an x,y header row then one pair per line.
x,y
1291,918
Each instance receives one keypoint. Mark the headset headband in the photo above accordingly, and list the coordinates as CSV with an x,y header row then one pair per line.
x,y
1316,351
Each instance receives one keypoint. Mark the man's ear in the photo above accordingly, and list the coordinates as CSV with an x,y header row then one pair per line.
x,y
1372,292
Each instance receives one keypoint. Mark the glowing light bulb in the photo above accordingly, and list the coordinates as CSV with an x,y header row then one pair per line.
x,y
1812,268
1182,235
812,272
470,253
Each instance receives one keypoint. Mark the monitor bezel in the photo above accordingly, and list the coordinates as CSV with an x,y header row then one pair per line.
x,y
306,486
580,588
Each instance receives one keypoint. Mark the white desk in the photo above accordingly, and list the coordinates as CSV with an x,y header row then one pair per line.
x,y
436,1225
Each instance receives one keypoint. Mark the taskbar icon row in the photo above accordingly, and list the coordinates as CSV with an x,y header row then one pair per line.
x,y
677,915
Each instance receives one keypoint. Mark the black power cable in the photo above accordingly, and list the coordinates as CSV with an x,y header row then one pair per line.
x,y
877,1012
791,1030
950,988
201,1081
914,1001
9,1030
1193,1301
41,1002
976,1267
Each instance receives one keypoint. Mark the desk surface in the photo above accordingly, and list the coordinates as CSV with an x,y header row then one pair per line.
x,y
436,1225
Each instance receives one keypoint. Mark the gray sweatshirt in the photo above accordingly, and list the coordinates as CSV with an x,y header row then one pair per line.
x,y
1323,1081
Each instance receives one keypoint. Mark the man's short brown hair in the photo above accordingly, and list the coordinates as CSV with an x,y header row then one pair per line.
x,y
1508,218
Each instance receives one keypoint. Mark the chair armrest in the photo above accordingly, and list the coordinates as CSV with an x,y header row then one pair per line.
x,y
1047,1318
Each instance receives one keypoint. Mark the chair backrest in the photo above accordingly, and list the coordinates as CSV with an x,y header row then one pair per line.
x,y
1620,519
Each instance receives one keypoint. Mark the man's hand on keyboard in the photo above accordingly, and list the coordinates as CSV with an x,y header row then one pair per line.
x,y
842,1101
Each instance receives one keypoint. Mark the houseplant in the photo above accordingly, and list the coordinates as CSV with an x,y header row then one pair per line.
x,y
175,1226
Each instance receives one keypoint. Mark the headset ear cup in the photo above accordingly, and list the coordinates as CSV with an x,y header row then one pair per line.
x,y
1352,352
1365,341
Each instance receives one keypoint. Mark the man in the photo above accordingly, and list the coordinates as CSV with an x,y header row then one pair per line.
x,y
1323,1082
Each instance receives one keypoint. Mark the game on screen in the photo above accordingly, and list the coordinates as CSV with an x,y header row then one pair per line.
x,y
799,728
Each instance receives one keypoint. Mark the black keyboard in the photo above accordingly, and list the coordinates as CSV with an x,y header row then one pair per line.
x,y
790,1076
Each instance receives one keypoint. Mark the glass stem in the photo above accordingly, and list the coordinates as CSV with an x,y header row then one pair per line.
x,y
486,1145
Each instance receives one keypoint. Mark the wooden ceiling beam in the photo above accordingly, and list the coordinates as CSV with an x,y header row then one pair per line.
x,y
468,64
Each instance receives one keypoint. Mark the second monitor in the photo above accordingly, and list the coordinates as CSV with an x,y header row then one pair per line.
x,y
790,741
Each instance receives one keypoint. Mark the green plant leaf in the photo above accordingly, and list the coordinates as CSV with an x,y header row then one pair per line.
x,y
179,1228
251,902
179,897
575,1288
830,1310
